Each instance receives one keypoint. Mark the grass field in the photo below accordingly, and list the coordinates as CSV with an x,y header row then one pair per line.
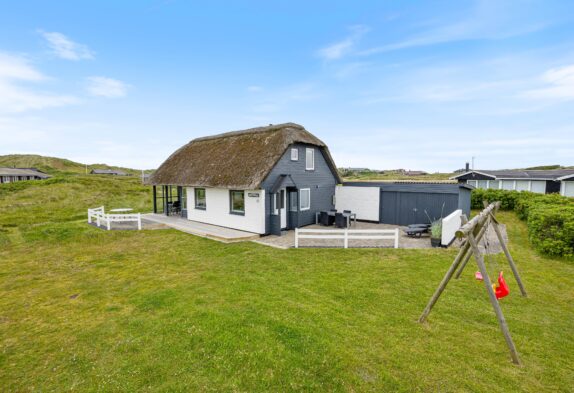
x,y
88,310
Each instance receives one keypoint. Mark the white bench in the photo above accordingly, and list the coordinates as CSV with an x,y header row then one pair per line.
x,y
99,214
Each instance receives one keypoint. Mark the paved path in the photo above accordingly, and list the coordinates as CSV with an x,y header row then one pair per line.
x,y
287,240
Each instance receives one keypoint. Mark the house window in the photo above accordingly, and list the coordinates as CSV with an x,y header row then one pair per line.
x,y
494,184
310,159
183,198
471,182
294,154
200,200
237,203
305,199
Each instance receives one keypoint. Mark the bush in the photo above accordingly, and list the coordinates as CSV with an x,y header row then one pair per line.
x,y
507,198
549,217
551,229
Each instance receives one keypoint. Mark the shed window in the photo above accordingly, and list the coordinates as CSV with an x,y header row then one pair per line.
x,y
310,159
237,202
305,199
294,154
200,200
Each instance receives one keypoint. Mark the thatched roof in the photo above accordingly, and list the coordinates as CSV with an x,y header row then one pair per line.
x,y
239,159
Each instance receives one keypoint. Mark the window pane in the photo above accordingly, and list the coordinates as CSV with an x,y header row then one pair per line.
x,y
294,154
309,159
538,186
293,201
184,198
482,184
494,184
522,185
200,200
305,199
471,183
237,201
508,184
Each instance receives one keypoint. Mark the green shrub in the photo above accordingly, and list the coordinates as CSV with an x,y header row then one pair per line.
x,y
507,198
549,217
551,228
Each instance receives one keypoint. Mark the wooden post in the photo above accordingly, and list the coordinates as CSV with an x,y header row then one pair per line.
x,y
346,238
493,299
139,221
396,237
444,281
296,237
154,199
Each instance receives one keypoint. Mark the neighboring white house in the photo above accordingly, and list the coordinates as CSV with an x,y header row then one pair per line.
x,y
539,181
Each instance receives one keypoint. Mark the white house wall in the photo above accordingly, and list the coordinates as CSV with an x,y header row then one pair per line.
x,y
218,207
364,201
568,188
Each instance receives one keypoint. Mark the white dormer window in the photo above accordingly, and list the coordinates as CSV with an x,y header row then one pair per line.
x,y
294,154
310,159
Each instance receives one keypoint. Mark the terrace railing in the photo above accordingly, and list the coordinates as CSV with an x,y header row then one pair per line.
x,y
348,234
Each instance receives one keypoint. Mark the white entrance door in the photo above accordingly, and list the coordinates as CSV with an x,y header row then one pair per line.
x,y
283,207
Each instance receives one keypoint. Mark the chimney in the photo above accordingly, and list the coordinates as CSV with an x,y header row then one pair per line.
x,y
467,167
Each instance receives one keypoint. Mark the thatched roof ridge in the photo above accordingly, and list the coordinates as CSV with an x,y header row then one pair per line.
x,y
237,159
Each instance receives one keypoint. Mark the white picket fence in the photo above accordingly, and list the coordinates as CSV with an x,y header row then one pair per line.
x,y
348,234
100,216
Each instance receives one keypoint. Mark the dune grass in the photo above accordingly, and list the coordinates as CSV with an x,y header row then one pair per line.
x,y
89,310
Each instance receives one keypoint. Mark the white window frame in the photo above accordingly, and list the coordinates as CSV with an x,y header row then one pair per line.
x,y
307,166
301,208
294,154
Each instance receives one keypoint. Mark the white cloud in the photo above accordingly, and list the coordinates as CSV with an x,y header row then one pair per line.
x,y
254,89
486,21
65,48
339,49
106,87
16,98
561,85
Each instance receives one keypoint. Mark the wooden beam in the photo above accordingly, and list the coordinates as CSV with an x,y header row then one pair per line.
x,y
444,281
154,199
494,300
479,219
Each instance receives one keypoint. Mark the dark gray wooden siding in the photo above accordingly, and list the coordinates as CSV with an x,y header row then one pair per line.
x,y
412,203
320,181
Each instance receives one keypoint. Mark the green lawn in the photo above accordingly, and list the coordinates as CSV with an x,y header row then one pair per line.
x,y
88,310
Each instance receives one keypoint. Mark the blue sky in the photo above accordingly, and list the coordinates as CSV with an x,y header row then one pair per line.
x,y
403,84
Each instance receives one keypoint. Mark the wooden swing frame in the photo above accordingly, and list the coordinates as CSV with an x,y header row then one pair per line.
x,y
473,231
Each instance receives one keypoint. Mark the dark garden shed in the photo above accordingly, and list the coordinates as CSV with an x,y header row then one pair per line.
x,y
404,203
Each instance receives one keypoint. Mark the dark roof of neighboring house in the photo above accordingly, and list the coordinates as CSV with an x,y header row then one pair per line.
x,y
438,186
549,174
108,172
23,172
239,159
